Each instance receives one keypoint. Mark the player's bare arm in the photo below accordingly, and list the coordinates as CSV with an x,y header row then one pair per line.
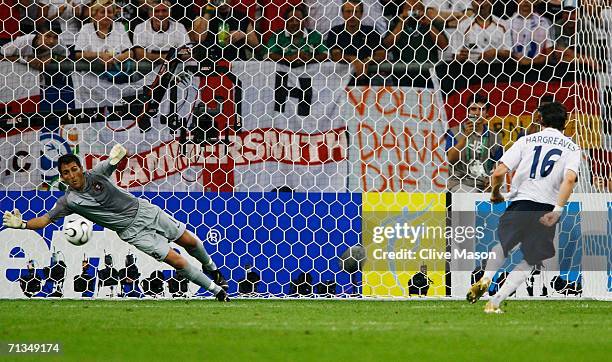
x,y
565,191
497,180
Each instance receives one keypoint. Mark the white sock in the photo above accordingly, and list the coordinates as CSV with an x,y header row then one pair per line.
x,y
514,279
493,265
195,275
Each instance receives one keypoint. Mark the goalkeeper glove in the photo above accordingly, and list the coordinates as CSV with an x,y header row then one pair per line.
x,y
117,154
13,220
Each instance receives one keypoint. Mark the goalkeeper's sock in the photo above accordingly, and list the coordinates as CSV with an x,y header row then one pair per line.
x,y
514,279
193,274
200,253
493,265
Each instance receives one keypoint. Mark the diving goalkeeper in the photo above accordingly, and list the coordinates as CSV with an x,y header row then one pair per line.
x,y
94,195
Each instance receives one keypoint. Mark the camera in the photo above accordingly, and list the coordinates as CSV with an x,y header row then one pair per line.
x,y
203,128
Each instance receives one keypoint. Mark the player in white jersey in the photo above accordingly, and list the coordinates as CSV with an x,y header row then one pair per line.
x,y
546,164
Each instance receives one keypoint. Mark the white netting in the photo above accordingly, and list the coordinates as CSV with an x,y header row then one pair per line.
x,y
282,132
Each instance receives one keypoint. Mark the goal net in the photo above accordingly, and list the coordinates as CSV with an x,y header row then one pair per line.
x,y
317,148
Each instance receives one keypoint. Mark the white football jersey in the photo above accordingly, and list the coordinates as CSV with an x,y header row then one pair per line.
x,y
471,35
116,42
151,40
541,161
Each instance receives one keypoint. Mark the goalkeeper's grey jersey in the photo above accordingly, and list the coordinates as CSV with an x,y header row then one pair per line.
x,y
100,201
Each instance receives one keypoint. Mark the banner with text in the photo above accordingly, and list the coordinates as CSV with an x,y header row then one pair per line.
x,y
293,136
396,139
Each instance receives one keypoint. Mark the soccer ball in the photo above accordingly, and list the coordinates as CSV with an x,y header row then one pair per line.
x,y
78,231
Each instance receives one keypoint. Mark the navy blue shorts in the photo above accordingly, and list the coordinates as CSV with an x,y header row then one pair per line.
x,y
520,224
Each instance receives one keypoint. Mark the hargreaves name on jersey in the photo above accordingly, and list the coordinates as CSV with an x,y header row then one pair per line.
x,y
552,140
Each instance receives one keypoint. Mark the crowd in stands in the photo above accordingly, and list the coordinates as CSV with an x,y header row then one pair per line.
x,y
360,32
363,33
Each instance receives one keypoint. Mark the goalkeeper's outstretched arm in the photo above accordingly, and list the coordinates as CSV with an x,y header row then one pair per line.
x,y
14,220
108,166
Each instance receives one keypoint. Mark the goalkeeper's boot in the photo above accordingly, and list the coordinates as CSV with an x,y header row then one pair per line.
x,y
492,308
219,279
478,289
222,296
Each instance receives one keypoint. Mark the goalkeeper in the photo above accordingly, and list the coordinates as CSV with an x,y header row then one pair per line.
x,y
93,195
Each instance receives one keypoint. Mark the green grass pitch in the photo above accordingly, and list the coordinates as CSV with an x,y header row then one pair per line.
x,y
296,330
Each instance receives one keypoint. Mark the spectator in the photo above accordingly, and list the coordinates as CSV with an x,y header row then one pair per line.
x,y
68,15
225,32
103,39
352,42
482,36
448,12
296,45
154,37
34,49
529,31
272,20
325,15
472,149
414,37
